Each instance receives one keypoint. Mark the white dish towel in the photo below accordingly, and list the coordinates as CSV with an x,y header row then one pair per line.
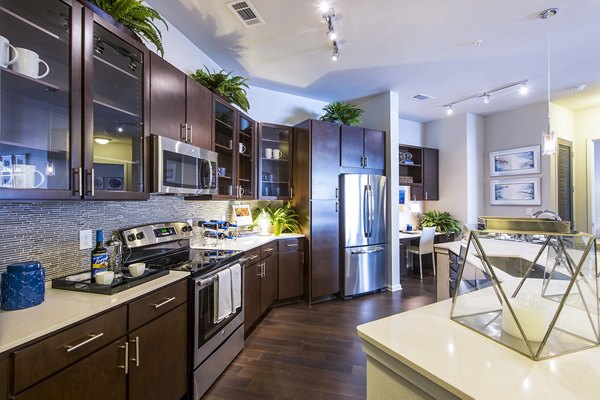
x,y
236,286
223,300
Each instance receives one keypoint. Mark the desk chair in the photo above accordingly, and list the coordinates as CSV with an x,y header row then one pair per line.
x,y
425,247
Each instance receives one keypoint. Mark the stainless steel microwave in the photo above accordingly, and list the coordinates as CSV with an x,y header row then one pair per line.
x,y
180,168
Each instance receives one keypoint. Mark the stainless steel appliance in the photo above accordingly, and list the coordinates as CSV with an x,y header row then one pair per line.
x,y
364,236
213,346
180,168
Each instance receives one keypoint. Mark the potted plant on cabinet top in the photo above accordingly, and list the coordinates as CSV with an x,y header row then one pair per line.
x,y
442,221
135,16
283,219
231,87
342,113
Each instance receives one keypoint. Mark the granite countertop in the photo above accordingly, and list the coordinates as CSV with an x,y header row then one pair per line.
x,y
473,366
62,308
248,242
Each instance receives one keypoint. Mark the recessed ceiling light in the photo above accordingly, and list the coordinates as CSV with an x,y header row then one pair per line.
x,y
578,88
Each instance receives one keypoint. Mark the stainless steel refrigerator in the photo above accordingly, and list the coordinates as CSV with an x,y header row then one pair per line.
x,y
364,236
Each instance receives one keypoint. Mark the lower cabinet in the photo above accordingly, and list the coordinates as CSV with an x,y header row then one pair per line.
x,y
4,376
291,268
260,287
268,285
252,278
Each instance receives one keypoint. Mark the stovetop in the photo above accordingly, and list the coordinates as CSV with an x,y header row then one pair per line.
x,y
195,261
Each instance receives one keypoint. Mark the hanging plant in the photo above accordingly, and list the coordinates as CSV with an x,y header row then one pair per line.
x,y
136,16
342,113
231,87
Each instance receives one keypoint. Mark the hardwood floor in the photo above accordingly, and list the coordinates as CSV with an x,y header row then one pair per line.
x,y
314,353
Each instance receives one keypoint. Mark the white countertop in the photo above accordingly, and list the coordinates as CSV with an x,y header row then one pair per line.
x,y
473,366
248,242
62,308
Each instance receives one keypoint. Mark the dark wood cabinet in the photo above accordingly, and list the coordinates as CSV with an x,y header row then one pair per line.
x,y
275,162
419,169
98,376
198,111
5,374
362,148
325,145
290,268
252,295
159,366
324,255
167,99
268,285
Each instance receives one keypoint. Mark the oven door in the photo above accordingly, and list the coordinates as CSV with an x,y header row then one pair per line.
x,y
207,335
181,168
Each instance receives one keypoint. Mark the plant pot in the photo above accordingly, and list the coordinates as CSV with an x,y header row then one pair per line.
x,y
278,229
107,17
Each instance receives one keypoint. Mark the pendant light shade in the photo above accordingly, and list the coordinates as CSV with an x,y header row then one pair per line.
x,y
549,143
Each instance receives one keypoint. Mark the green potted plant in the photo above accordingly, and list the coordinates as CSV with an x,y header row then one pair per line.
x,y
442,221
283,219
223,83
342,113
137,17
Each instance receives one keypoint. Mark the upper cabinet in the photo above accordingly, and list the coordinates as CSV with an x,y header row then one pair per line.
x,y
419,169
362,148
275,166
72,104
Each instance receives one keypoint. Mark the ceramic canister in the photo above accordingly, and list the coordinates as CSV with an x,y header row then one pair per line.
x,y
23,286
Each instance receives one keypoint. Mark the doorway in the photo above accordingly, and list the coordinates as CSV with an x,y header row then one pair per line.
x,y
564,167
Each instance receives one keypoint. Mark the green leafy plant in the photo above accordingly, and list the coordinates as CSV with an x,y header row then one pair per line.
x,y
231,87
441,220
136,16
342,113
284,219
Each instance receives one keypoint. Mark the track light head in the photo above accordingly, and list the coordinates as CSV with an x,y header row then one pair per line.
x,y
487,98
524,89
324,7
332,35
336,52
449,109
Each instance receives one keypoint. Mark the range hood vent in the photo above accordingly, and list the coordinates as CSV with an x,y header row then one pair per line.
x,y
246,13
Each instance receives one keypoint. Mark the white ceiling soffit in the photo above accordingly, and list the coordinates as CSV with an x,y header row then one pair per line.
x,y
403,46
246,13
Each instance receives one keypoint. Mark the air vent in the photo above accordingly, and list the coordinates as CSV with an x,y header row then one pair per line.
x,y
246,13
421,97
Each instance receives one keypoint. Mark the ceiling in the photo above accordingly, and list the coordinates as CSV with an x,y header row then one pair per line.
x,y
406,46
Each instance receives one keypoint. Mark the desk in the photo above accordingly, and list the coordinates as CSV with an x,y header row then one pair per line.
x,y
406,239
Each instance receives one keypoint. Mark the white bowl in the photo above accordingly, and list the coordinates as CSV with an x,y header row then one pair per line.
x,y
137,269
104,278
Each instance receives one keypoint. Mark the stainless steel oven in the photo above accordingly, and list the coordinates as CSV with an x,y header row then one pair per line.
x,y
180,168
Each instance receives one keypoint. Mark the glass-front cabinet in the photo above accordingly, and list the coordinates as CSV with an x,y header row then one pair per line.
x,y
246,157
72,91
275,162
224,129
40,98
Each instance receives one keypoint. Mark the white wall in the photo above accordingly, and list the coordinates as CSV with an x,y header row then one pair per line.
x,y
474,170
517,128
587,128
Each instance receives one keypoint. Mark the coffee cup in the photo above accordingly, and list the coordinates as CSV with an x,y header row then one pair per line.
x,y
28,64
242,148
104,277
137,269
5,47
24,177
277,154
268,153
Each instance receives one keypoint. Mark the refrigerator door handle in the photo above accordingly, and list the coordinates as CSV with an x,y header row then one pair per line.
x,y
366,208
376,250
371,211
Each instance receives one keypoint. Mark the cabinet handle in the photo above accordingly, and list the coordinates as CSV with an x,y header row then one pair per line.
x,y
337,204
90,173
91,338
425,195
292,192
302,258
159,305
292,245
77,171
137,351
337,195
183,132
270,249
366,161
191,134
260,273
126,365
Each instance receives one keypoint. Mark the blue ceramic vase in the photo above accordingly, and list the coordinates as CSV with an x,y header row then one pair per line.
x,y
23,286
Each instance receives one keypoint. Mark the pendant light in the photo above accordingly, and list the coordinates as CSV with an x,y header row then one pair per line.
x,y
548,137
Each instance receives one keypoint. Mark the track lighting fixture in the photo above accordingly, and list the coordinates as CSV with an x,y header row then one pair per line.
x,y
336,52
449,109
324,7
328,14
487,95
486,98
524,89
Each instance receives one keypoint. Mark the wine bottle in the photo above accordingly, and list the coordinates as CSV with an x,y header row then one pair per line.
x,y
99,255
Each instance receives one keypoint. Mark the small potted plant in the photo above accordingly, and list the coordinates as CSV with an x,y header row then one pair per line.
x,y
442,221
283,219
231,87
342,113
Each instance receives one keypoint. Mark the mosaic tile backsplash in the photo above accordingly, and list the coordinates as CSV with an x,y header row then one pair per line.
x,y
49,231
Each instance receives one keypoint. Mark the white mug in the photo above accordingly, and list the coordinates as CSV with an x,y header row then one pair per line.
x,y
242,148
5,47
268,153
28,64
277,154
24,177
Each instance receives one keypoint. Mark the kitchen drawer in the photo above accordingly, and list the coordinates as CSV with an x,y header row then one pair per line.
x,y
253,256
44,358
156,304
268,249
291,244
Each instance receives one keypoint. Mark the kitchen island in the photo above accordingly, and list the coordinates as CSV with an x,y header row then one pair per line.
x,y
422,354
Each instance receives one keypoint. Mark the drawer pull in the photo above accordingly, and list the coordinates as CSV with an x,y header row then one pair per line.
x,y
269,249
159,305
137,351
292,245
126,366
253,257
92,337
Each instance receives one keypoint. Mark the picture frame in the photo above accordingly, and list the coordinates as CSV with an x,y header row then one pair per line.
x,y
519,161
515,192
242,214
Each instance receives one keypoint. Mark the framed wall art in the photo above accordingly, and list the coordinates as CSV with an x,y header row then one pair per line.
x,y
524,160
515,192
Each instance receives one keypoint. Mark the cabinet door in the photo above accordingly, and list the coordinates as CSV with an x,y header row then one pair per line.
x,y
431,174
5,368
325,159
40,110
324,247
352,146
167,98
290,274
252,295
99,376
158,369
198,112
274,168
225,144
246,157
268,285
374,149
116,79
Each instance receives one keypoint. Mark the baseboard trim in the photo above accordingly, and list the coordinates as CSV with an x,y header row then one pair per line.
x,y
394,288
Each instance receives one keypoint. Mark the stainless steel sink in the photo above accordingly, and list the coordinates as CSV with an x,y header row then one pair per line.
x,y
517,267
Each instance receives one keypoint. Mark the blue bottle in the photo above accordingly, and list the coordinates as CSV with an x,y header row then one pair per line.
x,y
99,255
23,286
